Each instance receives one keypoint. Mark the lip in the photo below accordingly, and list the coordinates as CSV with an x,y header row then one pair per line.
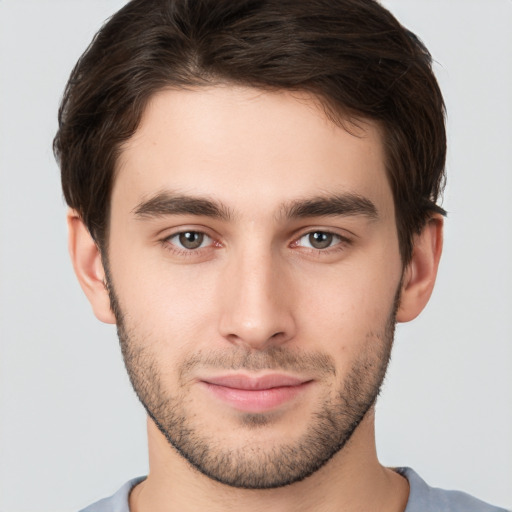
x,y
255,394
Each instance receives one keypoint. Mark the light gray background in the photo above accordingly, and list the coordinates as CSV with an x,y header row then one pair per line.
x,y
71,430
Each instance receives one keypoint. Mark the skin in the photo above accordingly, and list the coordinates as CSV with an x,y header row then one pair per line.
x,y
258,283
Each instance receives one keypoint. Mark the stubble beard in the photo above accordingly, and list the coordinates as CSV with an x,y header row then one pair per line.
x,y
259,466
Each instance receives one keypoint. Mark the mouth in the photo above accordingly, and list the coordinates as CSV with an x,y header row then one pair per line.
x,y
256,394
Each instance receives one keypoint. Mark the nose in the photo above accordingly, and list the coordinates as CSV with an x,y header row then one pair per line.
x,y
256,302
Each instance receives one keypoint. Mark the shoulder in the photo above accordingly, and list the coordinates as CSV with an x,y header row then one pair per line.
x,y
117,502
423,498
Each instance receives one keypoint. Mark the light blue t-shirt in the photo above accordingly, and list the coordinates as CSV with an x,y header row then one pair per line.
x,y
422,498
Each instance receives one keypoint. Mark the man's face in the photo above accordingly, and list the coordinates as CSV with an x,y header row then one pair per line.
x,y
254,263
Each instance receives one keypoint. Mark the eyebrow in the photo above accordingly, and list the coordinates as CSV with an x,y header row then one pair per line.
x,y
168,203
346,204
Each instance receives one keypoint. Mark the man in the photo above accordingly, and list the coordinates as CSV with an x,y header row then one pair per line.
x,y
253,196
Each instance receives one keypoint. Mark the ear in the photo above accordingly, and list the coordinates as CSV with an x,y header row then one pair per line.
x,y
86,259
420,274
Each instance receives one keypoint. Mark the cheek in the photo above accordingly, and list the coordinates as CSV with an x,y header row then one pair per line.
x,y
347,307
164,305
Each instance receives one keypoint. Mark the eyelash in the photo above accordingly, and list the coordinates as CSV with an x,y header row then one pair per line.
x,y
341,244
182,251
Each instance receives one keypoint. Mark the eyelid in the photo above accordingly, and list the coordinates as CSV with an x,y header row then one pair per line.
x,y
171,231
342,233
165,240
202,246
343,240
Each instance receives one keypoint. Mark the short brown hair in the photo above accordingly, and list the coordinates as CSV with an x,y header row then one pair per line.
x,y
352,54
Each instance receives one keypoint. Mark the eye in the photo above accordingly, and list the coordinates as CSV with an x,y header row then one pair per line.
x,y
319,240
190,240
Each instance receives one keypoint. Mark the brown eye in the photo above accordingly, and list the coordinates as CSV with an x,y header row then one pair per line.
x,y
191,239
320,239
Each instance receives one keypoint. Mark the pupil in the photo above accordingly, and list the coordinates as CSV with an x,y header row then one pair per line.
x,y
191,239
320,240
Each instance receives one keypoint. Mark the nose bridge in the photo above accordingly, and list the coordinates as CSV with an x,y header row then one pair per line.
x,y
256,307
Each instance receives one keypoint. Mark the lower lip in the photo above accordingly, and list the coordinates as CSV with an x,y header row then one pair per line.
x,y
256,400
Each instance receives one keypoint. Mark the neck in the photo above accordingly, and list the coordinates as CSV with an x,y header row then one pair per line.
x,y
352,480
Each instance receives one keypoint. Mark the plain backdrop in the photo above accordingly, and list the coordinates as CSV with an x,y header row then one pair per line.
x,y
71,429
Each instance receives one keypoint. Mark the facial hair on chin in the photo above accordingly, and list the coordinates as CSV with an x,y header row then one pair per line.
x,y
332,424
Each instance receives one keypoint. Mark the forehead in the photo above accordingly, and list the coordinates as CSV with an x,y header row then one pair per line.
x,y
248,148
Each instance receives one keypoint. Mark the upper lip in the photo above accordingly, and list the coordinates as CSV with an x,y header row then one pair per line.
x,y
255,383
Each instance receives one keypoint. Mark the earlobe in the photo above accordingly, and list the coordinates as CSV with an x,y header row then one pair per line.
x,y
86,259
420,275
